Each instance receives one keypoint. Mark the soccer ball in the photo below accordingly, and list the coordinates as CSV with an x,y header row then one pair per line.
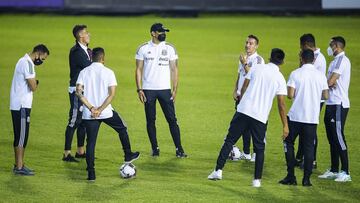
x,y
235,154
127,170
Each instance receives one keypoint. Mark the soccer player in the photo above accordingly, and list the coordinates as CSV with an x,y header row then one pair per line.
x,y
156,67
79,58
306,86
23,85
307,41
246,61
337,108
95,87
263,82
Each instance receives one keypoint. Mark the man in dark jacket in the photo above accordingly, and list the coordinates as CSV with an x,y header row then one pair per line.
x,y
79,58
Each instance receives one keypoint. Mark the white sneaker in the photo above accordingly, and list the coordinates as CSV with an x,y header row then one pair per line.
x,y
343,177
253,157
246,156
328,175
215,175
256,183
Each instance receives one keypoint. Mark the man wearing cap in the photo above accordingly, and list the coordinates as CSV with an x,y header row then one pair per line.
x,y
156,78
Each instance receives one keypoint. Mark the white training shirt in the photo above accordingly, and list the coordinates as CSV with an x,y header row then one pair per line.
x,y
266,81
339,95
156,71
97,79
320,61
309,84
21,95
251,60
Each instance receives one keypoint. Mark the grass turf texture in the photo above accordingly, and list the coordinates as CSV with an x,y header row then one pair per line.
x,y
208,48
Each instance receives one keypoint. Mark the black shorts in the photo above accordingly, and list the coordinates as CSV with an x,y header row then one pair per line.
x,y
21,125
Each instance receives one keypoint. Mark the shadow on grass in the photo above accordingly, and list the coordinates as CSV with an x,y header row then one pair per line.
x,y
21,185
76,171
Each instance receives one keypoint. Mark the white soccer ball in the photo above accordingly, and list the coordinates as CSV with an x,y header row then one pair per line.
x,y
235,154
127,170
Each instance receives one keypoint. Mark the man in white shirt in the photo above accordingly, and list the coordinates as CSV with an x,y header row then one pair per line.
x,y
95,87
263,82
306,86
156,78
79,58
246,61
23,85
307,41
337,108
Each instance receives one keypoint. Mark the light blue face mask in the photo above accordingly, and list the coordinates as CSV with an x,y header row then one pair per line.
x,y
330,52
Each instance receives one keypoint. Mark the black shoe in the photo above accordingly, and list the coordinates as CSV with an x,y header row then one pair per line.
x,y
180,154
314,165
69,158
26,168
22,172
91,176
288,181
155,152
132,157
80,156
306,182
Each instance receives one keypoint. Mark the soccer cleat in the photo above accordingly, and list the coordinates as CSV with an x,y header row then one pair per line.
x,y
155,152
69,158
256,183
80,156
23,172
91,176
246,157
131,157
253,157
328,175
26,168
180,154
288,180
343,177
215,175
306,182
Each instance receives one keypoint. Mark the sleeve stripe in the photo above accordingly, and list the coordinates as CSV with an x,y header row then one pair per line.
x,y
167,43
31,68
258,59
137,51
338,63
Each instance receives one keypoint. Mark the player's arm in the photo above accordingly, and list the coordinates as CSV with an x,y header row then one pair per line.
x,y
32,83
138,76
332,80
325,95
290,92
79,94
244,87
235,96
174,78
108,100
282,113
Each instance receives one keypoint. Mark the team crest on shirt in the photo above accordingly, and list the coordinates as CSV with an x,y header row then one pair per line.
x,y
164,52
149,52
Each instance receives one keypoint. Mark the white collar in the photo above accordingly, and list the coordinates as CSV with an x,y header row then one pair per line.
x,y
153,44
340,54
29,59
83,46
307,65
253,55
274,66
317,51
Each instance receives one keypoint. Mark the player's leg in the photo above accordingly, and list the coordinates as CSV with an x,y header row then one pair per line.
x,y
92,127
150,113
294,130
168,108
308,136
119,125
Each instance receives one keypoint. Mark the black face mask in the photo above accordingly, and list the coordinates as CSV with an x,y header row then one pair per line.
x,y
38,62
161,37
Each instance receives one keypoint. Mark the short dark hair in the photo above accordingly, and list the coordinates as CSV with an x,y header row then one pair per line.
x,y
340,41
277,56
307,56
255,38
41,48
97,54
308,39
77,29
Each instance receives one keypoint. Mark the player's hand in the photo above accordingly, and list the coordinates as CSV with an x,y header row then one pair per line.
x,y
142,96
235,95
95,112
285,132
173,96
242,58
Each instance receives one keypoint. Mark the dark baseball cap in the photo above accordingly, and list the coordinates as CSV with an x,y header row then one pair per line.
x,y
158,27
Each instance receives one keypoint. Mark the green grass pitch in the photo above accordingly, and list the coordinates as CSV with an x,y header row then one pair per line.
x,y
208,49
